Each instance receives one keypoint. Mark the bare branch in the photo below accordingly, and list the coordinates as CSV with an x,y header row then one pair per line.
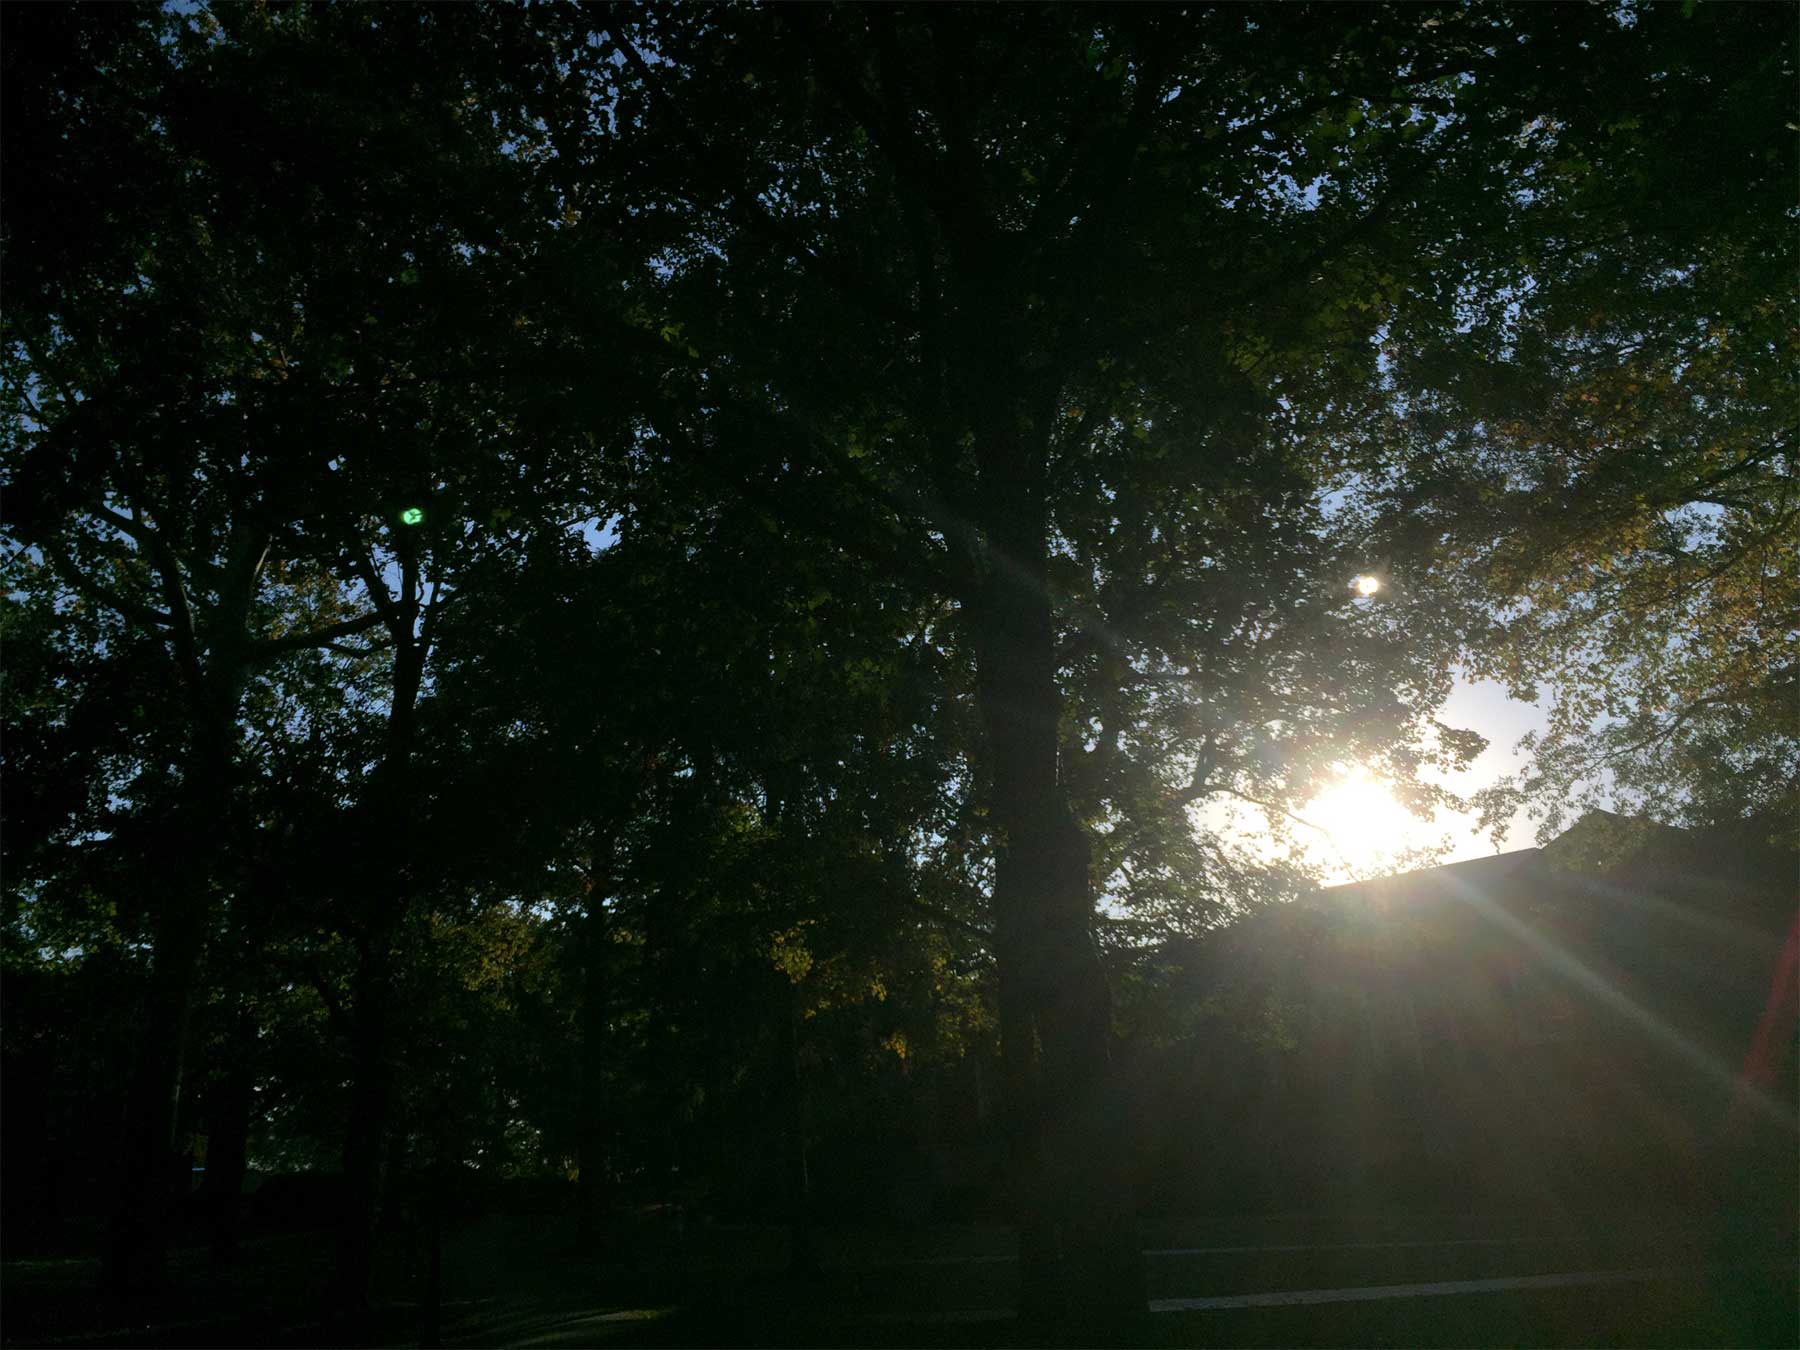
x,y
127,525
1270,807
318,637
385,608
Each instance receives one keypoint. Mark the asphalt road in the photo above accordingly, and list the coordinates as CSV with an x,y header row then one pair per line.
x,y
1627,1280
1375,1280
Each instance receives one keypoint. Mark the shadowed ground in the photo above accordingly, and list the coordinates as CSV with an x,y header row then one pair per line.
x,y
1620,1280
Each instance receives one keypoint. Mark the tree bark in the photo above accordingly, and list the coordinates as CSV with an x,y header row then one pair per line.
x,y
802,1256
150,1180
367,1130
592,1197
382,826
227,1144
1081,1268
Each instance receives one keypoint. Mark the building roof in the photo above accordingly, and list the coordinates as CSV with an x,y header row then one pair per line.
x,y
1478,872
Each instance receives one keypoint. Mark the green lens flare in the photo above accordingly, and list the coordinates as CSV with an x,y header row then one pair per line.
x,y
412,515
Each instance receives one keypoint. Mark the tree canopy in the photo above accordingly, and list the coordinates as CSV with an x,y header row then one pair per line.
x,y
570,566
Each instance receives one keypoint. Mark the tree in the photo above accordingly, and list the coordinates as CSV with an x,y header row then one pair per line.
x,y
1072,326
224,416
1626,494
164,532
788,487
739,749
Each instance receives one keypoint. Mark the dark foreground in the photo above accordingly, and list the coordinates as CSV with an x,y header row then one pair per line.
x,y
1604,1280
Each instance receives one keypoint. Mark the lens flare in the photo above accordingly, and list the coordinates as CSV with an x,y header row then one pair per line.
x,y
1365,585
1361,819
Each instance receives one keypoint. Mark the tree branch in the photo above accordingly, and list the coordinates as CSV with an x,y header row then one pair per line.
x,y
848,281
1664,731
385,608
948,919
317,637
64,566
182,629
43,367
136,529
1266,806
912,165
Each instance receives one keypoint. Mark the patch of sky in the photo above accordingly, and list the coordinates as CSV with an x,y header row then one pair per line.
x,y
1679,523
197,19
1384,360
1340,499
1468,307
599,532
1290,192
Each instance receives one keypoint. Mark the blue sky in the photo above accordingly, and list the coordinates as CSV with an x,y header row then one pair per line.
x,y
1484,706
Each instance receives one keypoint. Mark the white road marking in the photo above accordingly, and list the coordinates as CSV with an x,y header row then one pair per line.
x,y
1362,1246
991,1260
1283,1298
1290,1298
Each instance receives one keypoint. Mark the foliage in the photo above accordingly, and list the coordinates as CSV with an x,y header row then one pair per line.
x,y
660,587
1626,491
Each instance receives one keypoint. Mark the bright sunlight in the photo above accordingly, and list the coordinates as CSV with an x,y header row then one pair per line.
x,y
1364,822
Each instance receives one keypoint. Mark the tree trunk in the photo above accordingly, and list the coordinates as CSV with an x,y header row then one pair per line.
x,y
436,1203
1081,1268
201,838
591,1196
150,1174
802,1257
383,824
227,1145
151,1179
367,1132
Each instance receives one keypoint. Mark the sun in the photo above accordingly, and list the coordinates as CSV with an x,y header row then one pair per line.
x,y
1362,821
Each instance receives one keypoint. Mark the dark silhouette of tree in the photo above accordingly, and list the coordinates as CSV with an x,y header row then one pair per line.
x,y
220,411
1618,477
630,582
1075,326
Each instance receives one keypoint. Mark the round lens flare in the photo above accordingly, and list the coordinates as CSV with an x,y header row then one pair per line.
x,y
1365,585
412,515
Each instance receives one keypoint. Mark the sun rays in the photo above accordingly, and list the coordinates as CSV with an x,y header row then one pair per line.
x,y
1361,823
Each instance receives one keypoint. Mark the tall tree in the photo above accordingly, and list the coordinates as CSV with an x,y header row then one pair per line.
x,y
991,408
1072,324
131,485
251,370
